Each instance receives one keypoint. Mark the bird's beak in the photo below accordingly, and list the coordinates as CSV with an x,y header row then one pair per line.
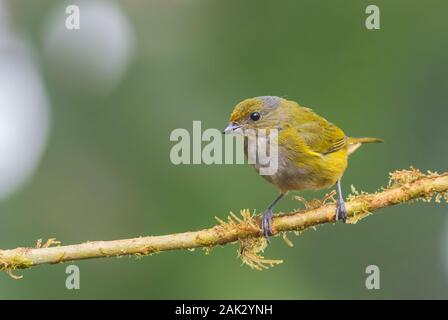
x,y
231,127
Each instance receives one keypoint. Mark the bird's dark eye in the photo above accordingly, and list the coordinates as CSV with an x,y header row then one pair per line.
x,y
255,116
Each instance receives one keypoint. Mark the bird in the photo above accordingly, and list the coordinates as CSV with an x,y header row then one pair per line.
x,y
312,152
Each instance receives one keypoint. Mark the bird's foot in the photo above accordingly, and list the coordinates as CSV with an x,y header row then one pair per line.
x,y
266,224
341,211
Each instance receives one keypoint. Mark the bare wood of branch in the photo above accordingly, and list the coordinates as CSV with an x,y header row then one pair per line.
x,y
404,186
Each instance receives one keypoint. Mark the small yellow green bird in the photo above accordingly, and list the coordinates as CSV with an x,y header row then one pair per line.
x,y
312,152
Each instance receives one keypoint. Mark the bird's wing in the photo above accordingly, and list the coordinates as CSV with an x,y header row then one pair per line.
x,y
322,136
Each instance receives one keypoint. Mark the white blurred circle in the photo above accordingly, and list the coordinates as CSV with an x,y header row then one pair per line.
x,y
24,115
95,56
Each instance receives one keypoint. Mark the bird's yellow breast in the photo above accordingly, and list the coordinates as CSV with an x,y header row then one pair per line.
x,y
300,168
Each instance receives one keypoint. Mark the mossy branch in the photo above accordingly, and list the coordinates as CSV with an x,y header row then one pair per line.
x,y
404,186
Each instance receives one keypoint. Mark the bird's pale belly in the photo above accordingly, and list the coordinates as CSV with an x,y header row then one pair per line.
x,y
308,173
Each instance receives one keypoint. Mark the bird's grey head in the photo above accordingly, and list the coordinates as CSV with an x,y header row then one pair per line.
x,y
270,101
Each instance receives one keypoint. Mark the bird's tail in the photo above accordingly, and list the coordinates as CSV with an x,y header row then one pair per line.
x,y
355,143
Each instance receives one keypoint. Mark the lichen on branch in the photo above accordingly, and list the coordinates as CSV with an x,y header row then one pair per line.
x,y
404,186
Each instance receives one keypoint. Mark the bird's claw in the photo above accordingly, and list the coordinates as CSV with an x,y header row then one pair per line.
x,y
266,224
341,211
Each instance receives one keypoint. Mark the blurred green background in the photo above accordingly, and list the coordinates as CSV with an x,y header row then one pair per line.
x,y
116,88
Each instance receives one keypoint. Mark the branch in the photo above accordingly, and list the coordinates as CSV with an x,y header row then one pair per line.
x,y
404,186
